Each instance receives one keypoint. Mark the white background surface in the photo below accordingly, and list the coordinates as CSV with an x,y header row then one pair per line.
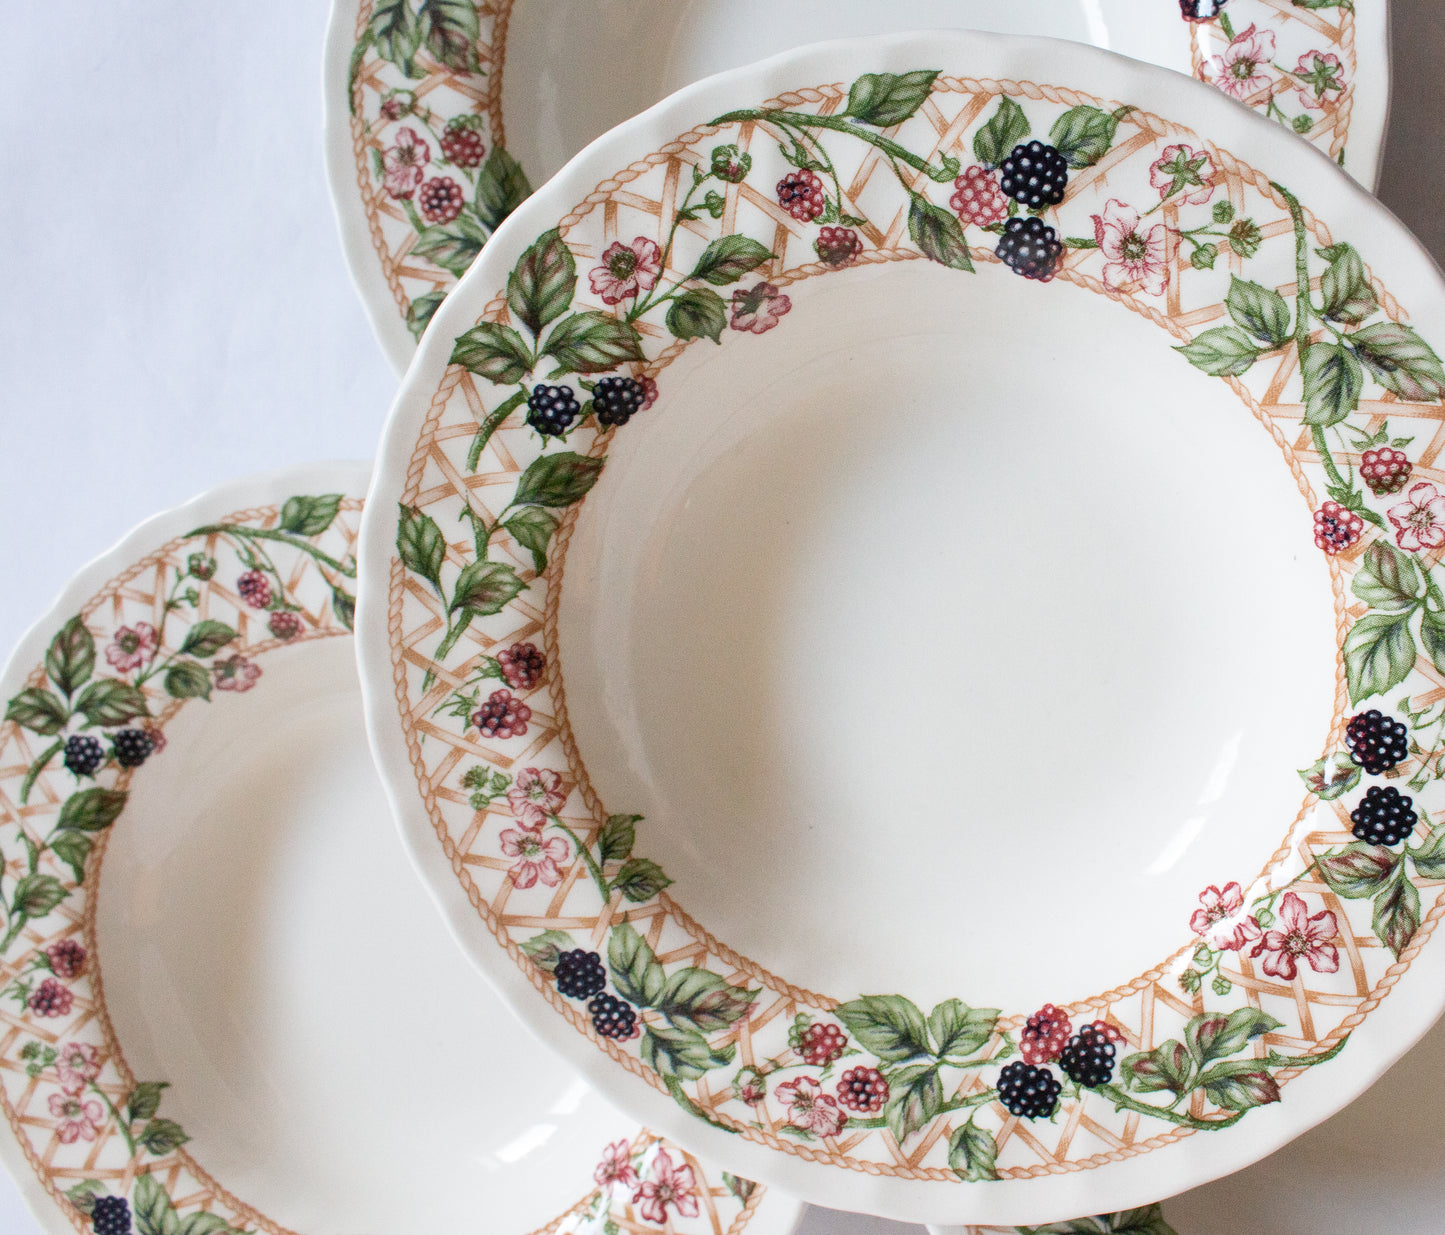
x,y
176,312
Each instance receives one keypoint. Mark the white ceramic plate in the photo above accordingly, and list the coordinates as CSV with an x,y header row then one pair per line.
x,y
977,649
533,81
286,1040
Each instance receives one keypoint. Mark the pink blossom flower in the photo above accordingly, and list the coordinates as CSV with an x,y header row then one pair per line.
x,y
626,269
77,1064
235,673
1185,173
1420,519
1319,78
537,857
132,646
79,1121
402,164
616,1166
810,1108
1219,923
759,308
1302,936
1131,255
536,794
669,1185
1243,68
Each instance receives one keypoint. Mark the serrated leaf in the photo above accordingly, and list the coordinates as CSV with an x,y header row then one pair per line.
x,y
698,313
162,1136
186,679
421,310
618,836
37,895
1333,380
1345,292
1331,777
310,515
683,1053
396,34
1379,654
545,948
1215,1035
72,848
915,1095
1429,859
592,342
1240,1091
343,606
1084,134
1400,360
453,247
886,99
938,234
450,29
83,1194
1359,870
38,710
1387,579
1397,914
206,638
960,1031
109,703
541,287
486,587
1147,1221
1222,351
697,999
532,528
202,1223
890,1026
639,880
493,351
1167,1067
636,972
1005,129
1259,310
91,810
728,258
154,1213
973,1153
144,1100
70,658
420,545
502,186
557,479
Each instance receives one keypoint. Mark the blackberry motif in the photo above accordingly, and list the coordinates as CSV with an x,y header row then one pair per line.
x,y
502,716
1031,248
51,999
284,624
863,1090
612,1017
522,665
552,409
580,974
1201,10
1336,528
1028,1092
111,1215
822,1043
1386,470
1384,817
255,589
1034,175
838,246
132,747
83,754
1088,1060
1377,742
977,197
1044,1035
67,958
440,199
615,399
462,141
800,193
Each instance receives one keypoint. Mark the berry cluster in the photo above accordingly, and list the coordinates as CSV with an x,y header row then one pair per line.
x,y
440,199
1027,1091
462,141
552,409
67,958
863,1089
1034,175
822,1043
612,1017
579,974
522,665
800,193
255,589
1336,528
1088,1060
1377,742
111,1216
1031,248
838,246
50,998
615,399
1380,743
1386,470
132,747
284,624
502,716
978,198
83,754
1385,816
1044,1035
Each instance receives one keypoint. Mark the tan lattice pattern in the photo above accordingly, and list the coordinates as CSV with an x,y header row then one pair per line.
x,y
1315,1010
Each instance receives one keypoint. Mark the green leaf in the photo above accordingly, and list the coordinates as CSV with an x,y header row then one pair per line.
x,y
703,1001
619,834
451,31
1429,859
532,528
544,949
592,342
396,34
960,1031
420,545
698,313
1432,637
1358,870
1397,914
72,848
421,310
1331,777
557,480
501,187
541,287
973,1154
890,1026
91,810
38,710
886,99
1005,129
1215,1035
1379,654
1239,1090
1332,383
187,679
1400,360
83,1194
683,1053
70,659
1165,1067
1084,134
728,258
154,1213
486,587
915,1095
1148,1221
37,895
453,247
1387,579
495,352
1204,256
1222,351
938,233
1345,292
144,1100
206,638
162,1136
109,703
202,1223
310,516
639,880
636,971
343,605
1260,310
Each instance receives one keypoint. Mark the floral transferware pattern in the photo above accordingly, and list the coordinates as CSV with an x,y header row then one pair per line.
x,y
1276,972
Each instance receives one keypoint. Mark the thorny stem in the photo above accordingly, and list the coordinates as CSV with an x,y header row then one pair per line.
x,y
947,169
593,868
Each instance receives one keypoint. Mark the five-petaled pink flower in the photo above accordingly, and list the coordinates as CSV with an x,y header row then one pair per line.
x,y
1302,936
616,1166
1131,254
1218,921
626,269
537,857
77,1064
79,1121
1319,78
235,673
1243,68
402,164
759,308
1420,519
132,646
809,1107
536,794
669,1185
1183,173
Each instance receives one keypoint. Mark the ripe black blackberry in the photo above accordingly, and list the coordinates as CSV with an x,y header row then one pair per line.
x,y
1088,1060
612,1017
552,409
111,1215
863,1089
132,747
1385,816
1027,1091
1377,742
579,974
1034,175
615,399
83,754
1031,248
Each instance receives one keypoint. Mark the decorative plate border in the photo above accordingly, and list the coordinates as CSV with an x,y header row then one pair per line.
x,y
1273,979
185,613
421,176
